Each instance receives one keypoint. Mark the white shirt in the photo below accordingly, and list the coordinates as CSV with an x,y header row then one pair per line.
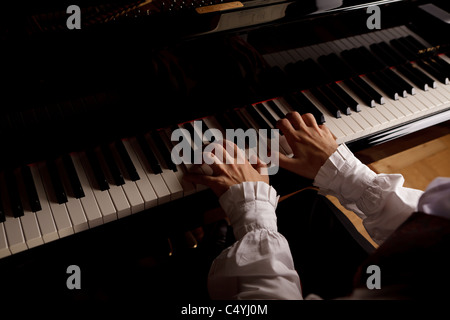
x,y
259,264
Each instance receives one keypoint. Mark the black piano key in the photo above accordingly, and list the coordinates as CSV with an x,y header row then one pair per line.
x,y
389,80
261,108
2,212
357,90
30,187
326,102
300,103
410,46
384,84
336,99
149,155
194,135
295,104
163,150
236,121
275,108
349,101
57,184
187,137
73,176
205,126
362,63
372,62
401,82
112,165
384,55
444,65
424,77
336,67
257,117
126,160
298,75
390,51
223,121
14,195
432,69
408,54
374,94
316,74
412,77
355,61
99,175
414,42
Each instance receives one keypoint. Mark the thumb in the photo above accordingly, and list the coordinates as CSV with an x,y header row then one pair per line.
x,y
258,165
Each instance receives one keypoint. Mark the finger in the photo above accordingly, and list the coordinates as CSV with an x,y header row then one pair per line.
x,y
214,163
327,130
296,120
220,153
286,127
234,152
309,120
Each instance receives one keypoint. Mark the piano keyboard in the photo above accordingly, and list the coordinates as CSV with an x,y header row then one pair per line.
x,y
371,101
45,201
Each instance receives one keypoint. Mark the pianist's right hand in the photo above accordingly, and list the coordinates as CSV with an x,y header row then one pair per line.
x,y
311,144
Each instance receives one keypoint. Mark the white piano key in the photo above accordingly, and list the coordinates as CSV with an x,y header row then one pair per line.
x,y
287,57
90,206
171,181
256,127
301,54
4,249
294,55
30,226
268,58
14,234
130,188
156,180
123,208
44,217
329,119
102,198
365,127
318,51
366,111
143,184
183,168
284,145
59,211
74,207
30,229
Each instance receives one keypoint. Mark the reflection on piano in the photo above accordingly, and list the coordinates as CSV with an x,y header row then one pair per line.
x,y
88,114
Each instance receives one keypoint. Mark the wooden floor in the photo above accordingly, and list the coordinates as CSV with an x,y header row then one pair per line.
x,y
420,158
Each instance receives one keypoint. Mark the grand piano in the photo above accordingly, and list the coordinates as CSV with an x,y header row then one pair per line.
x,y
87,114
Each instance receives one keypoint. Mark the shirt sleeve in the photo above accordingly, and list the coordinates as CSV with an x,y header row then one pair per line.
x,y
380,200
259,264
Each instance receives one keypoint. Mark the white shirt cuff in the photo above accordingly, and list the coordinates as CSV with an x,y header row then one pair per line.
x,y
250,206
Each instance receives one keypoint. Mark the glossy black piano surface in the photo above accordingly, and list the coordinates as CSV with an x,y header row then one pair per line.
x,y
87,114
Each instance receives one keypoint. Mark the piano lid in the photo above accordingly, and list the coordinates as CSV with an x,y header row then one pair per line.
x,y
173,17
